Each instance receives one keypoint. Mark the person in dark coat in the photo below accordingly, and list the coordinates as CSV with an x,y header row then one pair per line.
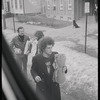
x,y
17,46
42,71
38,35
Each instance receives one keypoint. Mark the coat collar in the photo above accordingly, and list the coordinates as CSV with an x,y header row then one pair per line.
x,y
21,39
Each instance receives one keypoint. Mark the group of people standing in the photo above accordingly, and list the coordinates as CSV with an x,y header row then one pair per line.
x,y
42,68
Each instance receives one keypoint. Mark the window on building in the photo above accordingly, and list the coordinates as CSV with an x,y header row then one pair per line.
x,y
8,6
2,6
48,4
54,2
61,4
20,3
69,2
61,1
12,3
69,5
16,6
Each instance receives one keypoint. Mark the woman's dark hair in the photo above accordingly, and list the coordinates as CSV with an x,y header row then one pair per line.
x,y
19,28
44,42
39,35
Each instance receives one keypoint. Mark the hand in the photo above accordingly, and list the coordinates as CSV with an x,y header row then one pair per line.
x,y
65,69
17,51
37,79
27,53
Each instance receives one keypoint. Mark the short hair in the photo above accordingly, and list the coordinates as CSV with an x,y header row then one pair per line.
x,y
20,28
43,42
39,35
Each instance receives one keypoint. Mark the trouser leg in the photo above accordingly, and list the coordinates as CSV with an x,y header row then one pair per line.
x,y
19,61
25,64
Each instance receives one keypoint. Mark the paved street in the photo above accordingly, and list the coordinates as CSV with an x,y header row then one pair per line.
x,y
69,41
75,38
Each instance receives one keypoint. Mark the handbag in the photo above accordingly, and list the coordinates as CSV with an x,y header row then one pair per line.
x,y
59,68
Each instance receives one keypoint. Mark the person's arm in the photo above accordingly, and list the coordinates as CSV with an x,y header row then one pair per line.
x,y
34,70
26,49
14,49
12,44
30,45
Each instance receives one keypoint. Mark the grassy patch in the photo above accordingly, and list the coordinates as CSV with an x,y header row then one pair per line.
x,y
44,21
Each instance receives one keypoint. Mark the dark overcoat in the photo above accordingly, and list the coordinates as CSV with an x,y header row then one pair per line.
x,y
49,89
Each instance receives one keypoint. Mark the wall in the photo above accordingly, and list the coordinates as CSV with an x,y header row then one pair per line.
x,y
61,13
32,6
28,6
14,9
43,6
78,9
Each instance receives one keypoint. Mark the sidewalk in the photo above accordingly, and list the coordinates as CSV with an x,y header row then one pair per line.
x,y
82,68
81,76
75,38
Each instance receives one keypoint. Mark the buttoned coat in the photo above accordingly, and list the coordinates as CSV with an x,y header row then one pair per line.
x,y
46,86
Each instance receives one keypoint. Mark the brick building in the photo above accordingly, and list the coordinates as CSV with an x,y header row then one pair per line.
x,y
22,6
67,9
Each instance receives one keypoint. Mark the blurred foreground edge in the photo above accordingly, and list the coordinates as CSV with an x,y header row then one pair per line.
x,y
14,77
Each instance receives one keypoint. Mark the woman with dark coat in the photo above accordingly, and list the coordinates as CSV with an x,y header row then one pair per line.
x,y
42,71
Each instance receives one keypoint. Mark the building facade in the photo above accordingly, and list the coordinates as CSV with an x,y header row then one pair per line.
x,y
67,9
22,6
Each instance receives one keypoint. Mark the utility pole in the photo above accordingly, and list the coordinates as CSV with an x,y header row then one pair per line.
x,y
87,10
23,7
86,33
3,19
14,23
